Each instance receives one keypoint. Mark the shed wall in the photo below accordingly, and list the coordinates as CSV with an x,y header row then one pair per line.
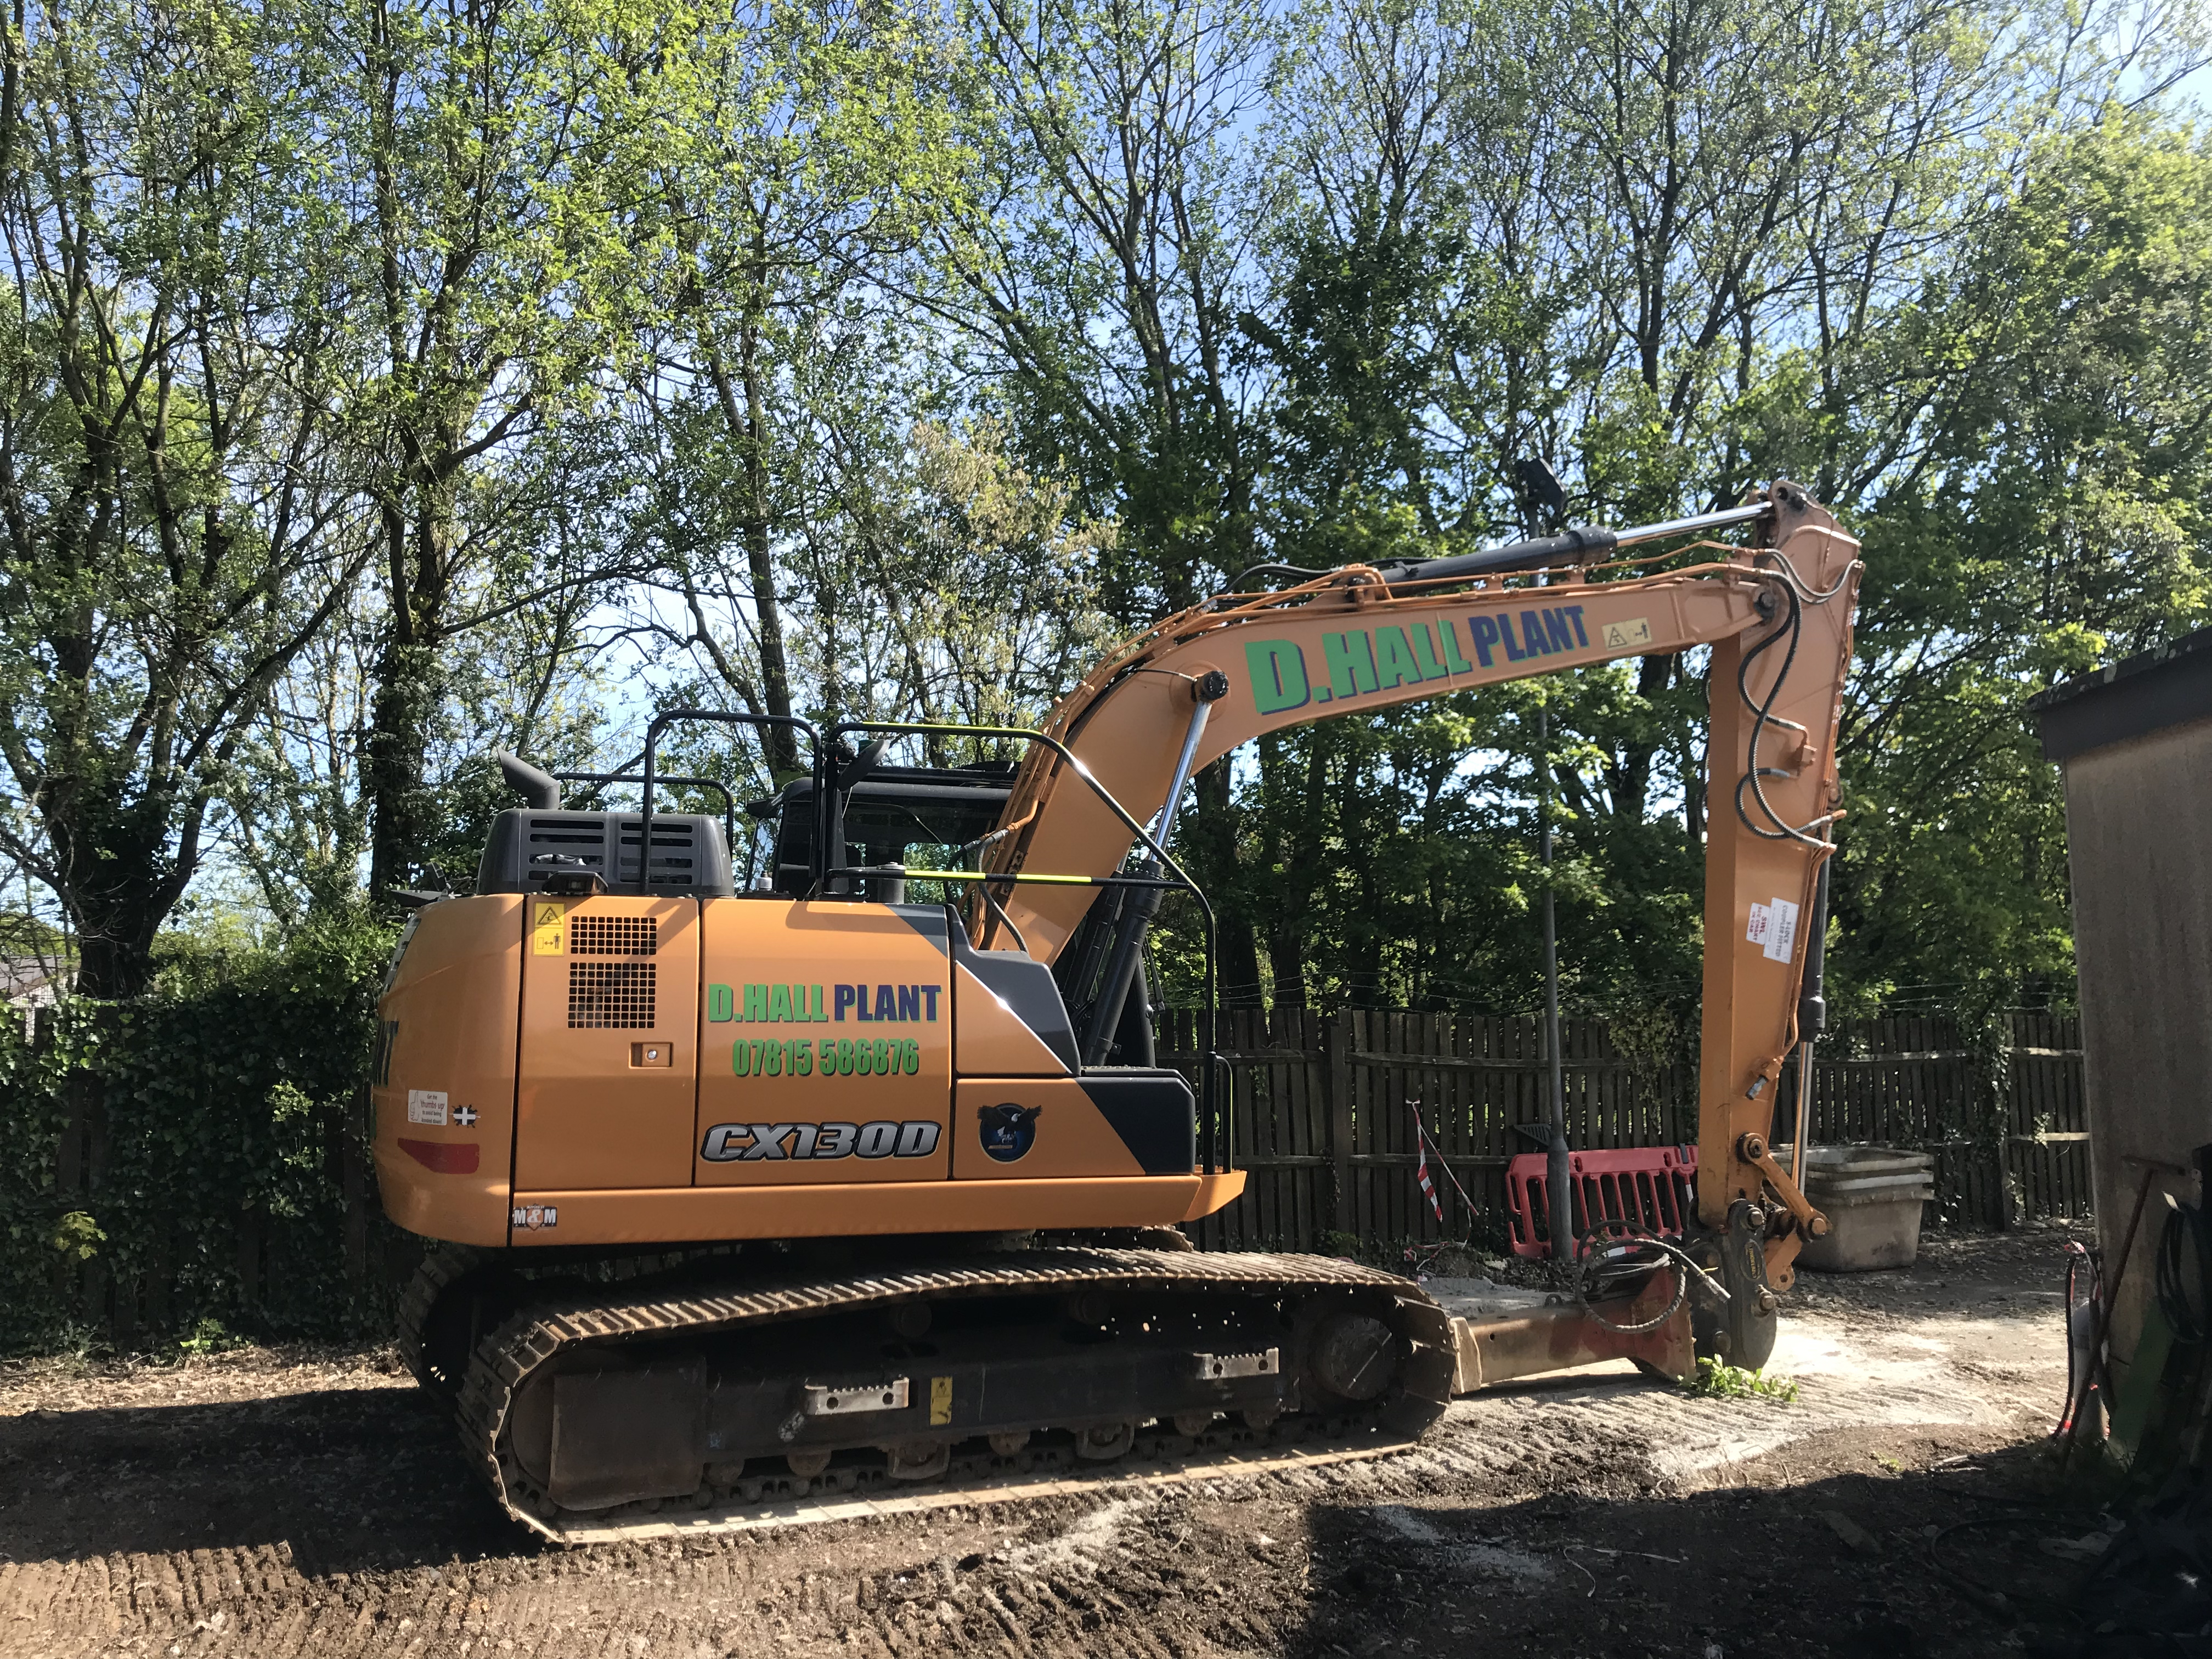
x,y
2139,839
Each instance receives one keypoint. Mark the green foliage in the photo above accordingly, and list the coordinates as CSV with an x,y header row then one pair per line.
x,y
2008,402
77,1237
215,1109
2059,521
208,1336
1718,1380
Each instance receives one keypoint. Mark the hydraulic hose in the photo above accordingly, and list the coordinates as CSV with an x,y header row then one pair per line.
x,y
1676,1260
2183,1243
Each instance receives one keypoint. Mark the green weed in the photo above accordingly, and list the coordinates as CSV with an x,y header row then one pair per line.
x,y
209,1337
1718,1380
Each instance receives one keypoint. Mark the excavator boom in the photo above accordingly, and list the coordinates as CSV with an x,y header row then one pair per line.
x,y
1778,618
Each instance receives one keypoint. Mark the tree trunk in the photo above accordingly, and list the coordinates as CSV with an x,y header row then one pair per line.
x,y
1292,841
1629,781
410,689
115,942
1213,838
403,818
775,671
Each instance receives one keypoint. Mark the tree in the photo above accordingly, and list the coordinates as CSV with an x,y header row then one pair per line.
x,y
2059,517
805,148
175,518
485,203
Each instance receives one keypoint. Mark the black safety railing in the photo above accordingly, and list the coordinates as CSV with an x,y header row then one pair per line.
x,y
829,864
1215,1141
649,778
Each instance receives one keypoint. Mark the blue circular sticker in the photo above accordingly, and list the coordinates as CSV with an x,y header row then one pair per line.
x,y
1009,1131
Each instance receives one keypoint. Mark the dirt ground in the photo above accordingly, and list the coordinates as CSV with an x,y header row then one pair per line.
x,y
295,1501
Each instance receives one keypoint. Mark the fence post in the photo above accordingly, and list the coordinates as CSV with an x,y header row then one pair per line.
x,y
1339,1117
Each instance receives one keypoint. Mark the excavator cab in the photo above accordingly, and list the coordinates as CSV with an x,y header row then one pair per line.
x,y
912,816
895,814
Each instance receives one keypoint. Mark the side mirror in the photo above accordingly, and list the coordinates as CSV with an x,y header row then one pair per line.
x,y
864,765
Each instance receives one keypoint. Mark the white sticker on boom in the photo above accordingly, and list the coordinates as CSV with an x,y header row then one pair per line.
x,y
1624,635
426,1106
1773,928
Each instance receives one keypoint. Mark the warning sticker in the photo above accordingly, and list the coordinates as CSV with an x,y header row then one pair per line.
x,y
940,1401
1773,928
426,1106
549,932
1625,635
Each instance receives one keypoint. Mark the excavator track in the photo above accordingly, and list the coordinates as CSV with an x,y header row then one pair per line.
x,y
442,1269
641,1375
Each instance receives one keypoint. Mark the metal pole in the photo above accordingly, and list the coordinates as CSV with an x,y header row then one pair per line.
x,y
1176,786
1727,515
1811,1019
1558,1169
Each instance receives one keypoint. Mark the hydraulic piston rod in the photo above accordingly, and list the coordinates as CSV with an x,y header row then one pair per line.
x,y
1139,905
1577,544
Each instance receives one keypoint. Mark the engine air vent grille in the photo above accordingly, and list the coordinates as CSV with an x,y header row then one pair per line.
x,y
675,850
611,995
613,936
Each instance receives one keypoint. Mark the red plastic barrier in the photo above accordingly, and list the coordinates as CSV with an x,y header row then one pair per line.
x,y
1654,1186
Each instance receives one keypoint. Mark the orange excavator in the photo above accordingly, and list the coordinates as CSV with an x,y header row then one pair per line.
x,y
798,1192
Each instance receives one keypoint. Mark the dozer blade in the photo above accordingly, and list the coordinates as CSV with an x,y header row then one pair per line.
x,y
759,1401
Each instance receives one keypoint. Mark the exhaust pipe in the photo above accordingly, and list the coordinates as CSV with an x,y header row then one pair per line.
x,y
540,791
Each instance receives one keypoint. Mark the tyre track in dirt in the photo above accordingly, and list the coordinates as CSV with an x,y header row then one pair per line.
x,y
304,1512
1023,1579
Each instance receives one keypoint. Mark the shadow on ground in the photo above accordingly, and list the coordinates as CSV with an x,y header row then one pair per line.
x,y
352,1479
1939,1564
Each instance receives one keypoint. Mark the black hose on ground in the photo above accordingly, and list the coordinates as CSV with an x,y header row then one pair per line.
x,y
2080,1264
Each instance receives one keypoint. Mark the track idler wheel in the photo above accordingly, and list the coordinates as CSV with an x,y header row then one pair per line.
x,y
1391,1355
1355,1355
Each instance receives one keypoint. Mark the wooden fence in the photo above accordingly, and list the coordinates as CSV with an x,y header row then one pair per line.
x,y
1321,1114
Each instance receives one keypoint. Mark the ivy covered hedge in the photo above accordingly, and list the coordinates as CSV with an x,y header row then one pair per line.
x,y
194,1160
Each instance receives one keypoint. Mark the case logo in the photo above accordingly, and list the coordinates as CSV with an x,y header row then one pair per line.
x,y
1009,1131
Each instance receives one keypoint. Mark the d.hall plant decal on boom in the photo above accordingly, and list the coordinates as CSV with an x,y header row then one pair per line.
x,y
1359,661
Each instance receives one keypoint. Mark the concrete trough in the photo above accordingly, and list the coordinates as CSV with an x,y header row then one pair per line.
x,y
1872,1196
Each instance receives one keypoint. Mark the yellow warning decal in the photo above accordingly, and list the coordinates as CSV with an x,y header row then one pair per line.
x,y
1621,636
549,932
941,1402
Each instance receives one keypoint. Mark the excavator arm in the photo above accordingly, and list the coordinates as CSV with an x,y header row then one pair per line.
x,y
1777,616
